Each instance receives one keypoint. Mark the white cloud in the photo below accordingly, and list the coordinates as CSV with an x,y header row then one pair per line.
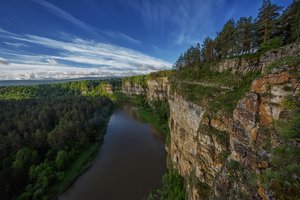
x,y
16,45
66,16
119,35
190,21
84,26
96,59
3,61
52,61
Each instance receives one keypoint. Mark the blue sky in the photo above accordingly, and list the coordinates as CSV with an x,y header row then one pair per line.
x,y
68,39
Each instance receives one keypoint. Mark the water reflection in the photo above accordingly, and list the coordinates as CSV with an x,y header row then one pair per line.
x,y
130,163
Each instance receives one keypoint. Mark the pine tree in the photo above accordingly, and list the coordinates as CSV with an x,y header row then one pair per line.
x,y
225,40
179,64
192,56
197,56
290,23
244,35
267,21
208,50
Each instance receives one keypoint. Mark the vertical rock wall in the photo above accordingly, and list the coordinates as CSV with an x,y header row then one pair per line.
x,y
218,156
158,89
254,112
194,149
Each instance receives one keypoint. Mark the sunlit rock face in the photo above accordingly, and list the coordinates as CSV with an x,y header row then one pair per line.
x,y
194,151
108,88
155,89
158,89
256,110
259,64
129,88
218,155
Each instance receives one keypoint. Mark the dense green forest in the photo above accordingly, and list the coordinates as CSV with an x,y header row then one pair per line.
x,y
47,135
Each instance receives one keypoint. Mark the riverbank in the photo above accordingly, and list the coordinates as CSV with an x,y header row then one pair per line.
x,y
84,161
48,134
130,164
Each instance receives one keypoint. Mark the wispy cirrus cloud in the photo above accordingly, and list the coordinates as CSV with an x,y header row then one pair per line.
x,y
3,61
73,58
66,16
84,26
190,20
119,35
16,45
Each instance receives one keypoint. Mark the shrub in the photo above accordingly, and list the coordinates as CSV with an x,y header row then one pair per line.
x,y
173,186
62,160
273,43
282,179
289,61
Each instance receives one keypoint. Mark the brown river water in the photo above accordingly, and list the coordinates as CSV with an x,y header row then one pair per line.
x,y
130,163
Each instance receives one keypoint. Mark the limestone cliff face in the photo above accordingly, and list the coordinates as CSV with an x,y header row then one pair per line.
x,y
238,65
129,88
256,110
158,89
155,89
194,150
198,153
108,88
219,154
245,65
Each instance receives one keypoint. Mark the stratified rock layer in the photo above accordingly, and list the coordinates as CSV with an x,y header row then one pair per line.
x,y
158,89
244,65
129,88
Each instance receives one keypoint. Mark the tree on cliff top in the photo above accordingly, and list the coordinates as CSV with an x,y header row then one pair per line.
x,y
267,21
244,35
226,40
208,50
290,23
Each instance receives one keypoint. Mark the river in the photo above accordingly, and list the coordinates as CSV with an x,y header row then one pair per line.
x,y
130,163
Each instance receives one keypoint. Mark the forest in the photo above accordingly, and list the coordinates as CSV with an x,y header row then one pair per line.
x,y
47,135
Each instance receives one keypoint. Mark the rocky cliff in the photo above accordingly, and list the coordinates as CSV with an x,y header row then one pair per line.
x,y
154,89
256,63
257,110
158,88
221,154
195,149
130,88
107,88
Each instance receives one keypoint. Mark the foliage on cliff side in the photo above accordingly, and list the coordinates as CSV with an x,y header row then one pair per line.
x,y
157,114
159,74
287,61
282,179
173,188
215,90
136,80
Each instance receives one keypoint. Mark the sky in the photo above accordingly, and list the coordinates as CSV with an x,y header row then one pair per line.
x,y
57,39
